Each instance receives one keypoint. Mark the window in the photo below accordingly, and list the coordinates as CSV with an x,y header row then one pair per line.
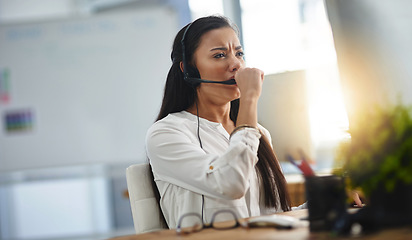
x,y
200,8
295,35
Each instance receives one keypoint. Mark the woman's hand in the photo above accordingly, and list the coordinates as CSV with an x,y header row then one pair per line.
x,y
249,82
356,199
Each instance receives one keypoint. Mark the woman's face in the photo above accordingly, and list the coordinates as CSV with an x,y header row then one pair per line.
x,y
218,57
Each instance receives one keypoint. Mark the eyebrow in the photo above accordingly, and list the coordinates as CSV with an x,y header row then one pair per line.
x,y
225,48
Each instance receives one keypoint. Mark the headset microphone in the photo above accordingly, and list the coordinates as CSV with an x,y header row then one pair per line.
x,y
199,80
189,71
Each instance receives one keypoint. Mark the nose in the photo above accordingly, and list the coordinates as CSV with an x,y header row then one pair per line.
x,y
235,63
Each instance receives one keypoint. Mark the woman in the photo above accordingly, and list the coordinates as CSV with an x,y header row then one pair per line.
x,y
206,149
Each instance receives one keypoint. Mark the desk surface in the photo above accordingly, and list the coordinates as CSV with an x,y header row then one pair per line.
x,y
268,233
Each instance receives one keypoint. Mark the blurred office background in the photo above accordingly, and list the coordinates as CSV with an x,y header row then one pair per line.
x,y
82,80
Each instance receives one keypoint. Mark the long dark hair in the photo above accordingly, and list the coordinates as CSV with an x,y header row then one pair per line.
x,y
179,96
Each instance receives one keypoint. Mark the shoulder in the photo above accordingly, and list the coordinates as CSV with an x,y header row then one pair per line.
x,y
170,119
179,121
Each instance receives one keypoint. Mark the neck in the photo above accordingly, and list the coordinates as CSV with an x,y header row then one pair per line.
x,y
214,113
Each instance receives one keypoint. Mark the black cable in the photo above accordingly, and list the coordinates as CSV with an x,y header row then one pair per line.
x,y
198,125
203,205
200,141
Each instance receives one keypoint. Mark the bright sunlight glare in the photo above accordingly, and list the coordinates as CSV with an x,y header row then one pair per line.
x,y
327,113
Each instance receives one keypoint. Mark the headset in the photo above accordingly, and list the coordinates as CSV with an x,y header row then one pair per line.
x,y
191,74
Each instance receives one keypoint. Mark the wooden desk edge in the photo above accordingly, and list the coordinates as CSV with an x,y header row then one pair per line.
x,y
171,233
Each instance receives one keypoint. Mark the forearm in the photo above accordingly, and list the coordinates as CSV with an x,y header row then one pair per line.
x,y
247,112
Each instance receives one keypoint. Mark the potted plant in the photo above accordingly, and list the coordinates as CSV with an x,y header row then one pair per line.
x,y
377,159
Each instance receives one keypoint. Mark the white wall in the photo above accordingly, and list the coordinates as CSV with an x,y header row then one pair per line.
x,y
55,208
92,84
23,10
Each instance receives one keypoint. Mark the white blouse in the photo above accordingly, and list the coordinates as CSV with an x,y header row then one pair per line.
x,y
222,170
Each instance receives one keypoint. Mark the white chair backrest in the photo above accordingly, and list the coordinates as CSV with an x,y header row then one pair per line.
x,y
145,208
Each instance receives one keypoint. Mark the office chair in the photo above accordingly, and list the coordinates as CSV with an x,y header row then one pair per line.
x,y
146,211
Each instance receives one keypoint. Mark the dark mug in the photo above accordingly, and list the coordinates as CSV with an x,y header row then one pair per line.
x,y
326,199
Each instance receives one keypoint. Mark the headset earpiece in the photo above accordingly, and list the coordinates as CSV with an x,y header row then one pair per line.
x,y
192,72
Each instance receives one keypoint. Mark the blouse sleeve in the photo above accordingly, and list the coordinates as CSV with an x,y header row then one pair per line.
x,y
265,132
178,160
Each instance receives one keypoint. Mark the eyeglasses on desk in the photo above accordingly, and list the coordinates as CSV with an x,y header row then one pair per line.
x,y
193,222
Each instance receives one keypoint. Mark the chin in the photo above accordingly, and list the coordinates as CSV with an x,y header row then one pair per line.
x,y
236,96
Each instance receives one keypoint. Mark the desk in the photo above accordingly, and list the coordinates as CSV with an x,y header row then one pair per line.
x,y
302,233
